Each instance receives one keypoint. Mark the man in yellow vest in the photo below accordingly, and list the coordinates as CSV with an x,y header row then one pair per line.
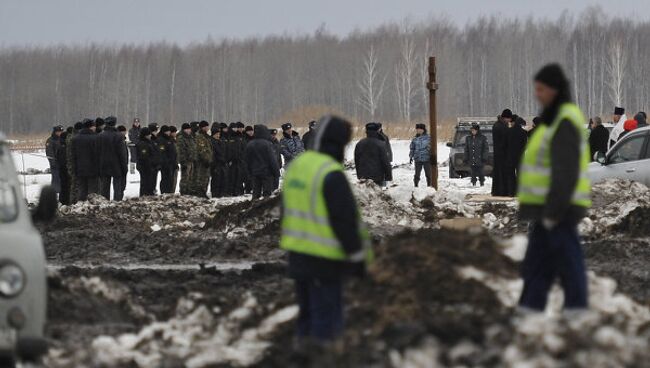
x,y
554,194
322,230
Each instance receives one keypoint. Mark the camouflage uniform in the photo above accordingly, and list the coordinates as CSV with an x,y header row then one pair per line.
x,y
203,163
70,163
187,154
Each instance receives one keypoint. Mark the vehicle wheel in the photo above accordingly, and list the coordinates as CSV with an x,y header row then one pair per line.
x,y
452,172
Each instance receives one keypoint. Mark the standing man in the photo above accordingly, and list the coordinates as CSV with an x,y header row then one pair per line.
x,y
218,169
323,232
309,136
204,161
85,152
70,159
186,147
277,149
148,163
291,144
113,161
261,162
123,133
619,118
371,157
477,150
384,137
134,138
554,193
516,140
598,138
62,162
420,153
499,138
52,147
173,131
168,160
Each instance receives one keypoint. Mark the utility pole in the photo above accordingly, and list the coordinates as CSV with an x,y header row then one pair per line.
x,y
432,86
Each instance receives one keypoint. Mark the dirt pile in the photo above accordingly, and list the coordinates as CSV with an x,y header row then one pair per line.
x,y
619,207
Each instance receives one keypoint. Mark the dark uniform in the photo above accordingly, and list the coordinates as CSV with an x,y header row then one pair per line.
x,y
113,161
308,137
86,168
219,169
277,148
62,162
186,148
168,160
291,145
261,162
371,157
499,137
52,148
204,161
70,160
477,150
148,163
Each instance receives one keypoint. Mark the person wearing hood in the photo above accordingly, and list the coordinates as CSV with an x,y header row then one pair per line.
x,y
204,156
554,195
371,157
52,147
323,231
291,144
309,135
516,139
168,159
619,119
113,161
261,162
134,138
500,146
219,170
477,150
278,156
70,160
641,119
187,156
85,152
598,137
420,153
148,162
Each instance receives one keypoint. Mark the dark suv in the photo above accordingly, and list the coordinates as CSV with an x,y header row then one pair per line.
x,y
457,166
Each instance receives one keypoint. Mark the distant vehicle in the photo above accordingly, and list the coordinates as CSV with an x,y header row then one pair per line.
x,y
457,166
628,159
23,283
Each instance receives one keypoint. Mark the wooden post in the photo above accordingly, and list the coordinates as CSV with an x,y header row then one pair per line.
x,y
433,121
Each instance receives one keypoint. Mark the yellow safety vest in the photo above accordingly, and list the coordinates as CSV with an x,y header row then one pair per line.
x,y
535,171
305,222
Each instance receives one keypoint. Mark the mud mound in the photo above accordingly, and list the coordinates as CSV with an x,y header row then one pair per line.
x,y
259,216
619,206
635,224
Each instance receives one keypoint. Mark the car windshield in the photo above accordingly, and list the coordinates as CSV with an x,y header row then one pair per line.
x,y
459,140
8,197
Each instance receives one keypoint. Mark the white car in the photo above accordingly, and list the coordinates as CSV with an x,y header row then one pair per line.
x,y
23,278
628,159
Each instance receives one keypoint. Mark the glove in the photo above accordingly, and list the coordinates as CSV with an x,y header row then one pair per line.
x,y
411,161
549,224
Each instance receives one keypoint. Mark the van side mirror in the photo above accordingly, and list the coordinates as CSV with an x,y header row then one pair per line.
x,y
47,205
600,157
450,145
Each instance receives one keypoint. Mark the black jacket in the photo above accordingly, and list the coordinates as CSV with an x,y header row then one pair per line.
x,y
343,216
168,154
499,141
218,153
389,148
477,149
598,140
260,156
113,160
52,148
371,159
307,139
85,151
278,149
516,140
148,156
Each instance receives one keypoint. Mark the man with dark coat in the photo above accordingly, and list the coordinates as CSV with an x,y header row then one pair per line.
x,y
516,140
134,138
187,157
204,157
168,159
477,150
261,162
291,144
499,143
123,133
148,163
218,170
70,160
384,137
85,153
277,148
113,161
236,147
309,136
52,147
249,133
420,154
371,157
598,138
100,123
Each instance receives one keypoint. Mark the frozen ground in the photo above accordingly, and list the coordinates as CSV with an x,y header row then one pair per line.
x,y
174,281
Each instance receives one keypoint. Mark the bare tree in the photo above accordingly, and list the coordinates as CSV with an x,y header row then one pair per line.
x,y
616,63
371,85
404,78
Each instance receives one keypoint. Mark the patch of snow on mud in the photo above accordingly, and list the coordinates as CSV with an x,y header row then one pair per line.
x,y
613,201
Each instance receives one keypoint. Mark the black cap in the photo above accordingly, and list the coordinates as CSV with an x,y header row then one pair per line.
x,y
89,123
215,129
286,126
121,128
203,124
223,126
274,131
507,114
186,126
164,129
99,122
476,127
240,124
420,126
145,131
173,129
373,127
249,128
619,111
111,121
153,127
58,128
78,126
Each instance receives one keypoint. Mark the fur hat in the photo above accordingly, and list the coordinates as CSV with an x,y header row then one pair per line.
x,y
286,126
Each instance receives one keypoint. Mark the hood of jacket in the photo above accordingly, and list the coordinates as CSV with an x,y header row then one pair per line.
x,y
260,131
332,135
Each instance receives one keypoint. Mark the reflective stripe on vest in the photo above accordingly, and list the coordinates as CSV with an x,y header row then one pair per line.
x,y
535,170
305,221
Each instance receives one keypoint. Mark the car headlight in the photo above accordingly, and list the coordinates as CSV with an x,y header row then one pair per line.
x,y
12,280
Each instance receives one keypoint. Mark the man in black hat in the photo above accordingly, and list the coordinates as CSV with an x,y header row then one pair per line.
x,y
499,140
371,157
113,161
85,153
219,169
187,156
168,159
52,147
134,138
477,150
420,153
277,149
261,162
123,134
148,163
70,161
204,156
516,139
291,144
309,136
99,125
619,118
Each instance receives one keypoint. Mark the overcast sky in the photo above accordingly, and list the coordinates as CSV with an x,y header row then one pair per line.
x,y
44,22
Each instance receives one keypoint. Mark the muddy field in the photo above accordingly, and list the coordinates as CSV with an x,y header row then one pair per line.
x,y
184,282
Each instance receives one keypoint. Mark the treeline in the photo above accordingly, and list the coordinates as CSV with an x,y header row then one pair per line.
x,y
378,74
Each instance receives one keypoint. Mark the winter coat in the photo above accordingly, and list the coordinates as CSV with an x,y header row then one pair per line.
x,y
69,153
307,138
291,146
477,149
186,149
389,149
148,156
218,153
598,139
260,155
112,159
85,151
618,129
168,154
52,147
62,154
499,143
516,140
277,148
371,159
421,148
134,135
204,149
